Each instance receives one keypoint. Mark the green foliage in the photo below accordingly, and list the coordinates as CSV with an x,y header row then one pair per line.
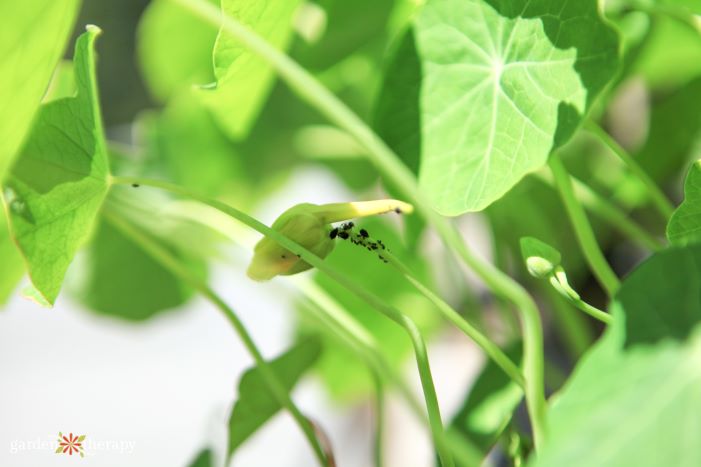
x,y
685,224
116,264
11,266
30,47
244,80
174,49
256,403
644,374
489,405
541,259
507,63
56,188
204,459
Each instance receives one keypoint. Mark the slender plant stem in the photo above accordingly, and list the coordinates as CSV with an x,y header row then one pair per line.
x,y
489,347
576,334
374,301
657,196
171,263
582,229
609,212
390,166
379,418
566,292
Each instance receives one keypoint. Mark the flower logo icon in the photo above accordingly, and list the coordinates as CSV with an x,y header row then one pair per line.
x,y
70,444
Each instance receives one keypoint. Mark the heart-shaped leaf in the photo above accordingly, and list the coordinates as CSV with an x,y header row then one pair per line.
x,y
501,85
56,187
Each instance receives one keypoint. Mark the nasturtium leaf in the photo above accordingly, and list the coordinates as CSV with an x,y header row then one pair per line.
x,y
645,374
174,48
489,406
256,403
205,458
244,80
502,85
32,39
57,185
685,224
123,280
62,82
11,265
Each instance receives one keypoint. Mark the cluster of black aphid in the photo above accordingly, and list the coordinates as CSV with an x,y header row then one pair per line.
x,y
362,238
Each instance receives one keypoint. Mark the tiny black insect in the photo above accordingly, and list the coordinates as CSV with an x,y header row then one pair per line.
x,y
397,210
333,233
364,233
343,235
135,185
347,226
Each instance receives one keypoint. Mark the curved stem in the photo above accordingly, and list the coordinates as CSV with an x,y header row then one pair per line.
x,y
374,301
582,229
390,166
573,297
489,347
173,265
609,212
657,196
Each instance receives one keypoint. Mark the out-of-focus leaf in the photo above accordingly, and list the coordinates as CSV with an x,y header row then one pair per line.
x,y
11,265
502,84
55,189
489,405
205,458
244,80
194,152
32,39
125,281
345,376
256,403
645,374
685,224
341,35
174,48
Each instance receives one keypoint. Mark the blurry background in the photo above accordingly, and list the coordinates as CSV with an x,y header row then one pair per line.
x,y
155,382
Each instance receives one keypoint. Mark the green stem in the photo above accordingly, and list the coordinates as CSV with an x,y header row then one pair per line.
x,y
573,297
171,263
379,417
610,213
374,301
491,349
657,196
390,166
582,229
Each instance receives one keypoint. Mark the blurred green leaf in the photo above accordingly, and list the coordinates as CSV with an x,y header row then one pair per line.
x,y
174,48
345,376
204,459
645,374
502,84
685,224
256,404
56,188
32,39
489,405
11,265
125,281
62,82
244,80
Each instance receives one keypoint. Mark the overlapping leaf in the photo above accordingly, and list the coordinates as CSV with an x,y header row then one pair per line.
x,y
55,189
685,224
634,399
32,39
501,85
243,80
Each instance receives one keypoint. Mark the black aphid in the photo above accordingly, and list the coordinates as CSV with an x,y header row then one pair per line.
x,y
347,226
333,233
364,233
135,185
397,210
343,235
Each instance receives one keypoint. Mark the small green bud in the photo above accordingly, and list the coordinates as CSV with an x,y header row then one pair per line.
x,y
541,259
